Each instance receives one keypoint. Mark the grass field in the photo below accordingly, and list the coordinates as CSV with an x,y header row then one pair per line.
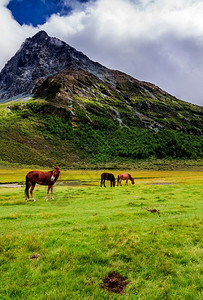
x,y
87,232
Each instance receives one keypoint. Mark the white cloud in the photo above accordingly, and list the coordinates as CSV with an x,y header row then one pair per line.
x,y
160,41
12,33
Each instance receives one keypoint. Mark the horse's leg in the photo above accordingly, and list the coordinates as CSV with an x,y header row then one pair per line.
x,y
48,189
104,183
31,191
28,185
126,183
52,197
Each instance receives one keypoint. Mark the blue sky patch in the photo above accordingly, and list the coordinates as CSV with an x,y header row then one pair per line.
x,y
36,12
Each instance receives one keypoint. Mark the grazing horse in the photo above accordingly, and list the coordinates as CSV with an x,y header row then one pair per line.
x,y
43,178
107,176
125,177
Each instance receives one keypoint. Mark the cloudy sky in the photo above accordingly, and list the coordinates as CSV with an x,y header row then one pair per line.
x,y
160,41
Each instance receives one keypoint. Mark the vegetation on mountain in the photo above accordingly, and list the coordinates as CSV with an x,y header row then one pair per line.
x,y
44,133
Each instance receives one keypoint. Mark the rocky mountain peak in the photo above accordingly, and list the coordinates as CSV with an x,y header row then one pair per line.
x,y
41,38
41,35
39,57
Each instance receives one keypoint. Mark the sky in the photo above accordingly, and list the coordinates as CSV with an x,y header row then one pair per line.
x,y
159,41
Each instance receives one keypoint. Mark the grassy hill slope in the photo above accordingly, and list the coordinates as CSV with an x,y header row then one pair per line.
x,y
46,132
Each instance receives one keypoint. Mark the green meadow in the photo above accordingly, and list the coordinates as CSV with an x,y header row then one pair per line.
x,y
87,232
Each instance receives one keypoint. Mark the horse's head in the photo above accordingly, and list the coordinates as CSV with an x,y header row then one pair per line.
x,y
55,174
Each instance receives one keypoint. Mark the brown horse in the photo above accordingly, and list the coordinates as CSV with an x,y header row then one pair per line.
x,y
107,176
43,178
125,177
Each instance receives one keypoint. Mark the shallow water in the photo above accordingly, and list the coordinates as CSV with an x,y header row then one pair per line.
x,y
61,183
10,185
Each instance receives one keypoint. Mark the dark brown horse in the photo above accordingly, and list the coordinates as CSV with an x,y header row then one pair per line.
x,y
107,176
43,178
126,177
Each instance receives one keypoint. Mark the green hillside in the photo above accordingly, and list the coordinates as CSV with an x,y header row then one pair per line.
x,y
45,132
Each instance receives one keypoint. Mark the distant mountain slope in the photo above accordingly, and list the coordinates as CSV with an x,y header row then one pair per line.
x,y
123,99
48,132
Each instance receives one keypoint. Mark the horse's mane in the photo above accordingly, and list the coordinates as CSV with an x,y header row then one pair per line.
x,y
54,169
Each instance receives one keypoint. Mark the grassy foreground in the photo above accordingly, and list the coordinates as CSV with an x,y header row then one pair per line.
x,y
87,232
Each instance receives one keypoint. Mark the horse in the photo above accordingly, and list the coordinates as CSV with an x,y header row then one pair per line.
x,y
43,178
107,176
125,177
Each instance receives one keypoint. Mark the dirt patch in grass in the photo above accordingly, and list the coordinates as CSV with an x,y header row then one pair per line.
x,y
35,255
114,282
154,211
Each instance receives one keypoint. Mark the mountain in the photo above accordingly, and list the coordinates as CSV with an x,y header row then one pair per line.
x,y
38,58
81,111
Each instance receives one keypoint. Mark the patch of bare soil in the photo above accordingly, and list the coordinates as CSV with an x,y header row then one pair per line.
x,y
115,283
35,255
154,211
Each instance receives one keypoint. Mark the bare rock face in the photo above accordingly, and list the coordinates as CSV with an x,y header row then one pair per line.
x,y
38,58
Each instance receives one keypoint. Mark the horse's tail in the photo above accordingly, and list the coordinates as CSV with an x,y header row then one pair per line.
x,y
26,188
